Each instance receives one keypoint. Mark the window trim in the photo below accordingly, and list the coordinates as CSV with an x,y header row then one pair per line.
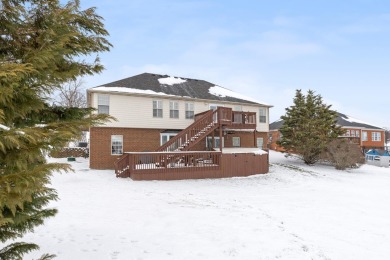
x,y
174,107
188,106
215,138
364,136
262,115
239,141
158,106
120,138
376,136
103,101
169,135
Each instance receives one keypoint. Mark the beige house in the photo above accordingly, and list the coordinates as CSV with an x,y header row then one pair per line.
x,y
151,109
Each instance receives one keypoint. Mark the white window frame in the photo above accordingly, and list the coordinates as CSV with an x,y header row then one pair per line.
x,y
258,140
376,136
236,141
173,109
157,108
190,110
262,115
116,144
103,104
364,136
168,137
215,141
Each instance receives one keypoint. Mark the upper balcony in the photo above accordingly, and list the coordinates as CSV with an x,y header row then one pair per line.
x,y
232,119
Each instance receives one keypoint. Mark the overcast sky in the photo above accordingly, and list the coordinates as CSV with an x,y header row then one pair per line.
x,y
265,49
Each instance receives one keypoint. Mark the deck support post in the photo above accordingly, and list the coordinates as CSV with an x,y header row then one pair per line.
x,y
254,138
220,138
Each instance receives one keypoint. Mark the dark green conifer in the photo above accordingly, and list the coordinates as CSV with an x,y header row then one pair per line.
x,y
309,126
43,44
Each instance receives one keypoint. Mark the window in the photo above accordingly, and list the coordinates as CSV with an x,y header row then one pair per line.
x,y
116,144
347,133
375,136
364,136
262,115
173,109
157,108
209,141
165,137
236,141
237,108
189,110
353,133
259,142
357,133
103,104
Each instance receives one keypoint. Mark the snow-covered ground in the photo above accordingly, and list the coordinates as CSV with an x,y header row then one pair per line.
x,y
294,212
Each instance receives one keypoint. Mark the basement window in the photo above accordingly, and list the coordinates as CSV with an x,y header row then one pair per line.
x,y
117,144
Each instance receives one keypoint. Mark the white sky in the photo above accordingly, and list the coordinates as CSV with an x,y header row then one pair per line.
x,y
262,49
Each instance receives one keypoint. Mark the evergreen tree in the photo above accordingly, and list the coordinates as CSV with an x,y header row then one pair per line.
x,y
43,44
309,126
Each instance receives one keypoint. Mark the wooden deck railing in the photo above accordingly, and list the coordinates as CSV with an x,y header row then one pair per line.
x,y
244,120
150,162
204,124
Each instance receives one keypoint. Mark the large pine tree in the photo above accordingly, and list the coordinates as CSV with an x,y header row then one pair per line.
x,y
309,126
43,44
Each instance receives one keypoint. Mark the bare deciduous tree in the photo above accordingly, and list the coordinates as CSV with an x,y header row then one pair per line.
x,y
72,94
343,154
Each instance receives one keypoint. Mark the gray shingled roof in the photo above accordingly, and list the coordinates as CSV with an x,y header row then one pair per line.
x,y
193,88
342,120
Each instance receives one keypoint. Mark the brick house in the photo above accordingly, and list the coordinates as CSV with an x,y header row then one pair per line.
x,y
152,110
367,136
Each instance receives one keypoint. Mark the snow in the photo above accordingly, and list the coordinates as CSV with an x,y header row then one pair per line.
x,y
223,92
241,150
293,212
171,81
6,128
128,90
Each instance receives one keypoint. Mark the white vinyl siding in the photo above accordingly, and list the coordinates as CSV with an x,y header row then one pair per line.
x,y
116,144
190,111
157,108
103,104
136,111
173,109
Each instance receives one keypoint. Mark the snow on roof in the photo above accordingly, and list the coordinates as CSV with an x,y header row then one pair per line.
x,y
354,120
223,92
6,128
171,80
129,90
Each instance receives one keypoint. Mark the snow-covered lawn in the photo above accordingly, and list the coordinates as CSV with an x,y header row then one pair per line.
x,y
294,212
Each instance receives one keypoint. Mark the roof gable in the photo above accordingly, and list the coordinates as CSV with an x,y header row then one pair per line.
x,y
148,83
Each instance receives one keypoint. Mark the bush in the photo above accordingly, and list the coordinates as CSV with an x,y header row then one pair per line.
x,y
343,154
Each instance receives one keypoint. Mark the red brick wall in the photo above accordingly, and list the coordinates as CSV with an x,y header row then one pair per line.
x,y
141,140
134,140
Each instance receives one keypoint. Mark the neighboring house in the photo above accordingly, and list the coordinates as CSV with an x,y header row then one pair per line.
x,y
378,158
367,136
152,110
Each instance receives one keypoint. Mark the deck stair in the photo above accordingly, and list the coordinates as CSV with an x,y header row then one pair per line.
x,y
197,131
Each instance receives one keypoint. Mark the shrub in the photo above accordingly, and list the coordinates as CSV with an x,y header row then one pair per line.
x,y
343,154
